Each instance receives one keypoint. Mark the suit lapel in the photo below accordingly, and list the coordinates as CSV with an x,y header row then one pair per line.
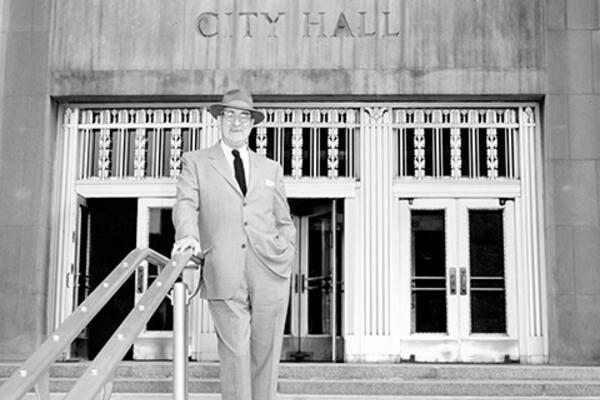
x,y
219,162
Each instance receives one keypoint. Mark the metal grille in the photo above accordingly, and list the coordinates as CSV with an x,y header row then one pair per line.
x,y
309,142
147,143
136,143
451,143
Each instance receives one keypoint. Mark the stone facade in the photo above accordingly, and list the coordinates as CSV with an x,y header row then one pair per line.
x,y
572,139
27,144
85,50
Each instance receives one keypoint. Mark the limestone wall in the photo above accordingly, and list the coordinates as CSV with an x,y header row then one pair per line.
x,y
572,175
199,47
112,50
27,138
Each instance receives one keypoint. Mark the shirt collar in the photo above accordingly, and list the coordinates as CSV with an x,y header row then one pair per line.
x,y
227,149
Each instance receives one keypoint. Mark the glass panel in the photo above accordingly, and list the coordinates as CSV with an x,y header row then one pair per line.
x,y
322,140
428,272
161,236
82,283
486,251
446,150
287,328
429,152
410,151
319,275
339,267
503,152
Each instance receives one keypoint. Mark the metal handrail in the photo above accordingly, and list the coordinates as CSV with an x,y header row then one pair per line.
x,y
100,372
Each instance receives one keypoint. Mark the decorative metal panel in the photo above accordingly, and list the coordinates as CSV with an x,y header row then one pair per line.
x,y
147,143
310,142
456,143
135,143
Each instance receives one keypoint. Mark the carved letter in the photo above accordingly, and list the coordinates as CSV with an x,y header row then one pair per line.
x,y
308,24
273,22
232,25
248,32
342,26
362,28
204,24
386,25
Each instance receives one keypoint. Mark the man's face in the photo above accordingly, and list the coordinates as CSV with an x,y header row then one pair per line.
x,y
235,127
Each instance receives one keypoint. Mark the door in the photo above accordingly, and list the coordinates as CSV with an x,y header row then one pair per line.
x,y
104,235
79,278
154,230
459,265
314,319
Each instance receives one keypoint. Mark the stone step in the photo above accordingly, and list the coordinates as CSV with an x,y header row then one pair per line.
x,y
215,396
306,371
438,372
367,387
359,381
474,388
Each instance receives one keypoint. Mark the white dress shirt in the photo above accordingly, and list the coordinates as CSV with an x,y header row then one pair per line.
x,y
245,160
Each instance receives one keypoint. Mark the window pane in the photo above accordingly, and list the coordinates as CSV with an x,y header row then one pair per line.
x,y
428,272
161,236
319,271
486,251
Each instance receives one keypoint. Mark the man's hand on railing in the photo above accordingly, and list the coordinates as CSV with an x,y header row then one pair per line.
x,y
185,243
189,243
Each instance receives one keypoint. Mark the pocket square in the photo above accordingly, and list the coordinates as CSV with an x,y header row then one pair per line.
x,y
269,182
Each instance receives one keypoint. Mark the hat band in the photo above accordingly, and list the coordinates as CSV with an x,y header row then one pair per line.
x,y
238,104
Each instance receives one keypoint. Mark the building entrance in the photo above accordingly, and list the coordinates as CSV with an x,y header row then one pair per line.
x,y
315,311
314,318
423,280
461,299
106,234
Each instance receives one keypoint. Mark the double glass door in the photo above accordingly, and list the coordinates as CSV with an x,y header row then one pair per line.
x,y
154,230
314,319
314,316
459,263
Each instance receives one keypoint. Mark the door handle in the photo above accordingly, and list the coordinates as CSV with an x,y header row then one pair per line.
x,y
298,283
463,281
452,281
140,280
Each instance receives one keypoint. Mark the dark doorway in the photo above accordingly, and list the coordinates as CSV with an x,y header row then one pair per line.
x,y
112,235
313,328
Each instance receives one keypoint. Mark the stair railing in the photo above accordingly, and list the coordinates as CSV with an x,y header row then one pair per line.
x,y
97,379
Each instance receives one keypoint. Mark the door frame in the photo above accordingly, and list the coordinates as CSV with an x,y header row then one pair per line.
x,y
299,298
200,326
149,344
456,346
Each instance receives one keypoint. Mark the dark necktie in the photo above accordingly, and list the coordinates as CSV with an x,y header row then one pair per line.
x,y
238,167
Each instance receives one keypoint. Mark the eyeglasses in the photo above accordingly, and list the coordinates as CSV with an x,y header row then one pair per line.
x,y
230,116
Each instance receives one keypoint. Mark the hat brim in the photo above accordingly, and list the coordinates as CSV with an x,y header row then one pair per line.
x,y
217,109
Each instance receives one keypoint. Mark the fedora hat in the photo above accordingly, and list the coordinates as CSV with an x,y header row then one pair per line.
x,y
240,99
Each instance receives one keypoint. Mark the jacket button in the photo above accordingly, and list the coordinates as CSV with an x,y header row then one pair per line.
x,y
245,223
244,204
243,246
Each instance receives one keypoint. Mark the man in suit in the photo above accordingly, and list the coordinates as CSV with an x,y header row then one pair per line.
x,y
231,206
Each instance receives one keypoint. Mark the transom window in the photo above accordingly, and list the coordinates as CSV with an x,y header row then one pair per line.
x,y
457,143
309,142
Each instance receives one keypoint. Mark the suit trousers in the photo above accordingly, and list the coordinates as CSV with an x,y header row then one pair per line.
x,y
249,329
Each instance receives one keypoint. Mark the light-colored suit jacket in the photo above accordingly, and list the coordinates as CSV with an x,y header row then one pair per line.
x,y
211,207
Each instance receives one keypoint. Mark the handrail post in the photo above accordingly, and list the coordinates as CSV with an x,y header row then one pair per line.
x,y
42,387
180,341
